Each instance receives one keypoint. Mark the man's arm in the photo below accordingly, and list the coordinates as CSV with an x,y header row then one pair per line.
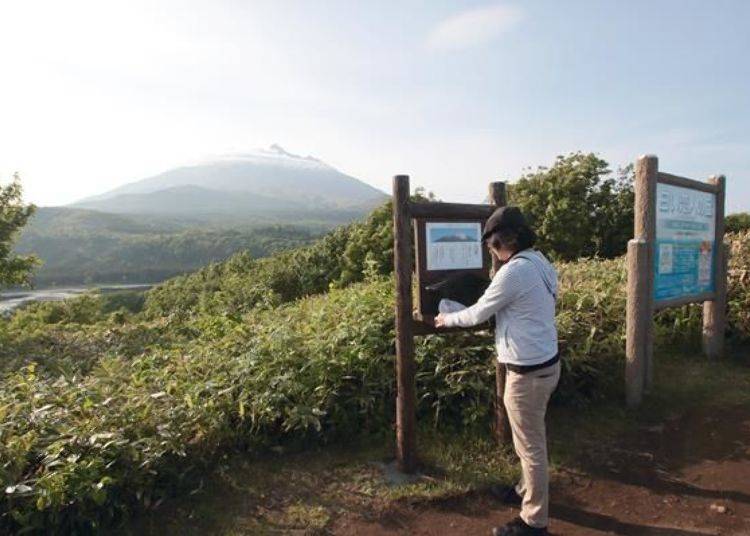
x,y
500,292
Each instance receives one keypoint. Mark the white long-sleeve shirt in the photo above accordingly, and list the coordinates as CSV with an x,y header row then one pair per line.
x,y
522,298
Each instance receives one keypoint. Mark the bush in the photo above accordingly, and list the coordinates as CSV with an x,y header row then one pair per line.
x,y
737,223
241,284
738,310
113,417
577,207
78,450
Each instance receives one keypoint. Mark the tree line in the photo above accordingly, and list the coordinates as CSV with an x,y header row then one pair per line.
x,y
579,207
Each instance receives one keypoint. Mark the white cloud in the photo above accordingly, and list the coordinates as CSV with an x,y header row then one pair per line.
x,y
474,27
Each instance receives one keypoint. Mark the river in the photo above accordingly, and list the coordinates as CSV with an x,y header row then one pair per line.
x,y
12,299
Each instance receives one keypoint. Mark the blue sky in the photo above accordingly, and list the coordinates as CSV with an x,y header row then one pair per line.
x,y
98,93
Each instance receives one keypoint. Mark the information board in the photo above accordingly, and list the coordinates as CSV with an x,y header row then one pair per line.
x,y
454,246
684,247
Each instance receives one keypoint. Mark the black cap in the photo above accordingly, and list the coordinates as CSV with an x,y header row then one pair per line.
x,y
504,218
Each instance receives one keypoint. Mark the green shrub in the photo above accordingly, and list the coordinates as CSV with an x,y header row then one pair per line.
x,y
578,207
79,449
98,418
241,284
738,223
738,310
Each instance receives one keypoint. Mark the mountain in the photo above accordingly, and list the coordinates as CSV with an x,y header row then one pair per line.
x,y
187,217
456,238
190,199
271,181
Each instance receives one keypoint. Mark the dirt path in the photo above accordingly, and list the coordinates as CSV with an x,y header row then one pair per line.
x,y
685,473
685,477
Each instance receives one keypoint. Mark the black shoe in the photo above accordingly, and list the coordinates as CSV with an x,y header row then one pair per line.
x,y
506,494
518,527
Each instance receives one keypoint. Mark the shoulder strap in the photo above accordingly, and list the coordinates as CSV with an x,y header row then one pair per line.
x,y
539,271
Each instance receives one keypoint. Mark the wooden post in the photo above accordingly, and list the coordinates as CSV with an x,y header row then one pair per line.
x,y
639,347
714,311
499,197
405,383
638,314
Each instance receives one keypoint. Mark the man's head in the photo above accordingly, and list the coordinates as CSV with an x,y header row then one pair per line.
x,y
507,232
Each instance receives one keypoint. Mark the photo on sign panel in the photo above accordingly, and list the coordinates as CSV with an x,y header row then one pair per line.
x,y
454,246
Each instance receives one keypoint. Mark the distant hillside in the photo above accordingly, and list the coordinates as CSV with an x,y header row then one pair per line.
x,y
265,182
187,217
53,221
85,246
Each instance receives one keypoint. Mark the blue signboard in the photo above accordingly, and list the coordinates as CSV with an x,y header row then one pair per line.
x,y
685,235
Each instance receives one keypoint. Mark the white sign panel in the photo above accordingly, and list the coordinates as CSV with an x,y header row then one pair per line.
x,y
454,246
684,253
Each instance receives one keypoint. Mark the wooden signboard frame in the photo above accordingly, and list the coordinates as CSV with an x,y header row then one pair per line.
x,y
410,322
641,303
425,319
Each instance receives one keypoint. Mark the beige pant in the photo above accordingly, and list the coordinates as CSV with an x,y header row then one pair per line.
x,y
526,397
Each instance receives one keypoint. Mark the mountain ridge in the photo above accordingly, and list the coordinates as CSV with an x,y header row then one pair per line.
x,y
191,215
265,180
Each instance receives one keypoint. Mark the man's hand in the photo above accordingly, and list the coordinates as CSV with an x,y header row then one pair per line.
x,y
440,321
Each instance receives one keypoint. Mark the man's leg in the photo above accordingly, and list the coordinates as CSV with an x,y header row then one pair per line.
x,y
526,399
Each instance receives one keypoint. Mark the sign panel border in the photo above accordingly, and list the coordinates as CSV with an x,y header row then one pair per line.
x,y
705,291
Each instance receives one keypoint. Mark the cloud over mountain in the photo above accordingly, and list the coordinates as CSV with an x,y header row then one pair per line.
x,y
263,181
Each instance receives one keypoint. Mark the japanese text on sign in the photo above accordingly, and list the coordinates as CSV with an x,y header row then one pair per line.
x,y
685,249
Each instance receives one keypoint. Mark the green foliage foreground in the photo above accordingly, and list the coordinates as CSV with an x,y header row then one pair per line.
x,y
101,418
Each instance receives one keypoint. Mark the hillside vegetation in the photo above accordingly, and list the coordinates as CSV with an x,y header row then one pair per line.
x,y
242,283
110,403
84,246
103,410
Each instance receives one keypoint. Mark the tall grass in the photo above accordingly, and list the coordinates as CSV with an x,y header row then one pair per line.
x,y
81,446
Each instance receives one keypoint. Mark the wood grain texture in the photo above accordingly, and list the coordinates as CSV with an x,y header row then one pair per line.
x,y
682,182
406,458
646,171
499,198
638,316
646,175
450,211
715,311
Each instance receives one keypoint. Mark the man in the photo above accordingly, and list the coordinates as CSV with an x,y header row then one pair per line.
x,y
521,296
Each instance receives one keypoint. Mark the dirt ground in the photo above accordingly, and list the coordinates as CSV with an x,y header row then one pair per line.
x,y
683,477
680,466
